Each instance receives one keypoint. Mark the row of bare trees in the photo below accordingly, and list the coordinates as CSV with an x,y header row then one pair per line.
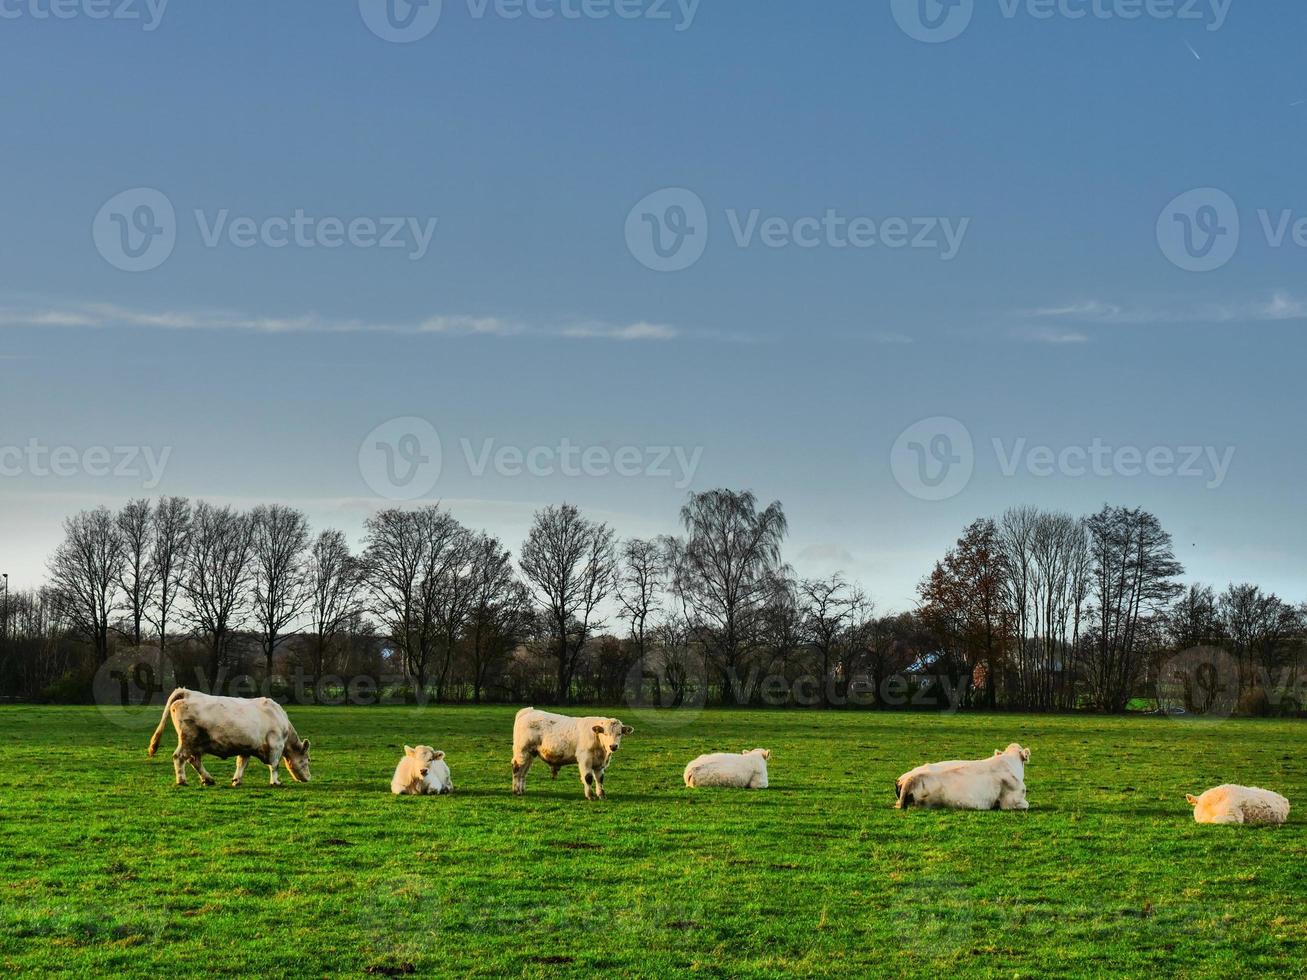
x,y
1033,610
1049,611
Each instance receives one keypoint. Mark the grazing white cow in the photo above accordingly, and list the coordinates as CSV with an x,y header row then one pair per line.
x,y
748,770
1239,804
226,727
422,772
560,740
996,783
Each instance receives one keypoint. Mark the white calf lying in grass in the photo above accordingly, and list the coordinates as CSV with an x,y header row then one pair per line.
x,y
1239,804
996,783
748,770
421,772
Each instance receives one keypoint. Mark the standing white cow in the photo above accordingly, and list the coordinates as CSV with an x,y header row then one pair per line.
x,y
996,783
1239,804
748,770
422,772
226,727
560,740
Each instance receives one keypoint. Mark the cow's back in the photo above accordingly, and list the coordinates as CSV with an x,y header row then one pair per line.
x,y
224,726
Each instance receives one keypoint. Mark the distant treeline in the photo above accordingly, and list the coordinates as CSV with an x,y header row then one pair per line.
x,y
1032,610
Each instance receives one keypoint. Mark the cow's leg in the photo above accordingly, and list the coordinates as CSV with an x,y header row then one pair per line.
x,y
599,784
197,760
553,771
179,757
589,780
241,762
521,764
1012,796
275,749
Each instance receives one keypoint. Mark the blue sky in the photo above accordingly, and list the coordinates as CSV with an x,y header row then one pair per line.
x,y
530,319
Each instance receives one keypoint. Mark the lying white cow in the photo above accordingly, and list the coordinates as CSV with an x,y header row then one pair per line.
x,y
1239,804
560,740
422,772
748,770
226,727
996,783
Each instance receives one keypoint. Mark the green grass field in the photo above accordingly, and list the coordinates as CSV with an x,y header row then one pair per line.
x,y
106,867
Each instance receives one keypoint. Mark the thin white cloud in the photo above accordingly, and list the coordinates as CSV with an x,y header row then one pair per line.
x,y
1054,335
106,315
1281,306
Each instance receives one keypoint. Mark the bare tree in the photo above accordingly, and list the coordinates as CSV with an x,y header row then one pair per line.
x,y
643,576
407,555
335,578
1132,580
501,610
570,563
219,578
171,530
85,572
725,575
454,600
280,538
139,575
827,609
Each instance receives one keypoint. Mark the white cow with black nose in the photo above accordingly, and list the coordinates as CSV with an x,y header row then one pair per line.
x,y
560,740
996,783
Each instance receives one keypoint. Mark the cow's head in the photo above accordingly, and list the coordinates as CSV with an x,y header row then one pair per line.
x,y
422,757
297,761
1015,749
610,734
765,753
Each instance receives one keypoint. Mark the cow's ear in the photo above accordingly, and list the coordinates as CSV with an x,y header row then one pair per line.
x,y
598,729
627,730
408,750
438,755
766,753
1193,800
1025,755
304,745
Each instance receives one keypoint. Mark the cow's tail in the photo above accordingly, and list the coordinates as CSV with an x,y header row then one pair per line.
x,y
176,695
